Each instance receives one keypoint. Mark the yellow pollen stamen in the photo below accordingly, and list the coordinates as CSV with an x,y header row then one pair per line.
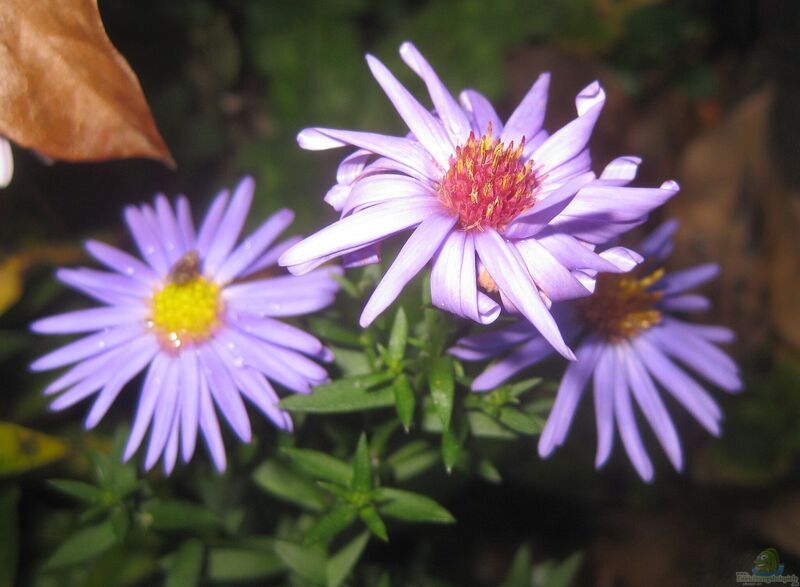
x,y
187,310
622,306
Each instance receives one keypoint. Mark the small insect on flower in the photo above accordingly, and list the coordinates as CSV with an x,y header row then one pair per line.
x,y
200,315
627,339
505,207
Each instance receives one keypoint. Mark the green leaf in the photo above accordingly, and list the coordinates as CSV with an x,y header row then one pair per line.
x,y
285,484
519,575
488,471
484,426
77,489
521,387
352,363
347,286
404,400
440,380
306,562
372,520
519,421
384,581
22,449
341,564
186,566
9,535
83,545
339,397
561,574
398,337
451,449
333,332
362,468
320,465
330,524
177,514
227,565
414,465
411,507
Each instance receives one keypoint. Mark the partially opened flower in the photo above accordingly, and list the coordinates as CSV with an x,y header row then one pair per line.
x,y
484,199
201,313
627,340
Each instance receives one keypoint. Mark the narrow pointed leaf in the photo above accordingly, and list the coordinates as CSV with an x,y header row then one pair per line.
x,y
404,400
285,484
308,562
330,524
372,520
362,468
178,514
186,566
341,564
520,422
440,380
228,565
451,449
398,337
76,489
320,465
83,545
411,507
339,400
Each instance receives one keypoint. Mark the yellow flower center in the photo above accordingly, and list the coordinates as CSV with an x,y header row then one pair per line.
x,y
621,305
187,310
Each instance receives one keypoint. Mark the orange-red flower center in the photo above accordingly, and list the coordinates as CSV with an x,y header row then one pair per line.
x,y
487,185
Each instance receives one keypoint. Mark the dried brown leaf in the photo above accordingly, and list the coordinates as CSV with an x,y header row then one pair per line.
x,y
65,90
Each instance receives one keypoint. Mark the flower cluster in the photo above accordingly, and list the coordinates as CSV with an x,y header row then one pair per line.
x,y
507,206
507,216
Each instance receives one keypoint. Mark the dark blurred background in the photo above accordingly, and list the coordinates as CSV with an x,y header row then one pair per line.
x,y
706,91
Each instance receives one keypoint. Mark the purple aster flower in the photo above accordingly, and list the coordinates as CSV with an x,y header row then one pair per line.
x,y
505,206
200,315
627,340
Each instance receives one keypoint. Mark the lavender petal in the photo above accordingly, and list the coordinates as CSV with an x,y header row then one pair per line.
x,y
230,227
137,356
365,227
426,128
223,389
626,420
211,222
528,117
87,347
569,395
89,320
148,243
151,391
398,149
209,426
653,408
550,276
455,121
482,113
121,262
253,246
529,353
415,254
514,282
190,402
605,375
683,388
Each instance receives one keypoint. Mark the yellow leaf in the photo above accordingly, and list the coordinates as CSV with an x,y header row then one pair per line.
x,y
22,449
